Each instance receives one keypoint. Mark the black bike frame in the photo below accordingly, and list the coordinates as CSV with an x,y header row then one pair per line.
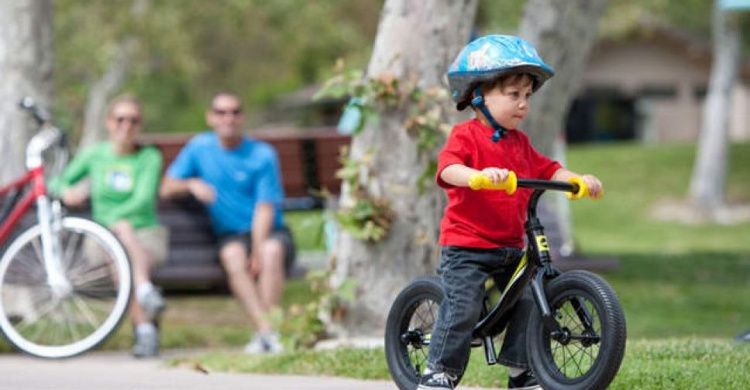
x,y
535,267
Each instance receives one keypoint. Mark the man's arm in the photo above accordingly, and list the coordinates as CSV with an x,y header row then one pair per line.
x,y
172,188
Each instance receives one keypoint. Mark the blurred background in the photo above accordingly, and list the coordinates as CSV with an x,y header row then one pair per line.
x,y
645,80
635,120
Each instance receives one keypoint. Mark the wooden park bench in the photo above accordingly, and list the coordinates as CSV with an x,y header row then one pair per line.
x,y
309,160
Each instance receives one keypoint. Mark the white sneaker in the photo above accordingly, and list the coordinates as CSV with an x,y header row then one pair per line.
x,y
255,346
273,343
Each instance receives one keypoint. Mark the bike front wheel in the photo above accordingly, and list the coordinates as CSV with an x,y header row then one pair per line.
x,y
409,328
588,350
59,323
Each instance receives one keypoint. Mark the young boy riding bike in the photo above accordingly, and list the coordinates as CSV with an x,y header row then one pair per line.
x,y
481,233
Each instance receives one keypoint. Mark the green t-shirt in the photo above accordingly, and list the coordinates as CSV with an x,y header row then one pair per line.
x,y
122,187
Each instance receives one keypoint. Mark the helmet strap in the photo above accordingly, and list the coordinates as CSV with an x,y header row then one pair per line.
x,y
478,102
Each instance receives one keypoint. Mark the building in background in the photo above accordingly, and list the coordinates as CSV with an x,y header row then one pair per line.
x,y
651,85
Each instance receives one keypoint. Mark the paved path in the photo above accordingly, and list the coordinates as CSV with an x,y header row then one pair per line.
x,y
120,371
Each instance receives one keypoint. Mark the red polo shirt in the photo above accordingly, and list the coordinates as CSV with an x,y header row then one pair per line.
x,y
487,218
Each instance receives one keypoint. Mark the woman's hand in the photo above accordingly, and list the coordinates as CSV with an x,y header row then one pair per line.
x,y
496,175
75,197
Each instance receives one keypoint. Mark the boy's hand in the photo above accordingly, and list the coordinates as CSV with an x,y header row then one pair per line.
x,y
596,190
496,175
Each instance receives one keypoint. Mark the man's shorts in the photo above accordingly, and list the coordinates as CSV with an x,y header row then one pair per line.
x,y
283,234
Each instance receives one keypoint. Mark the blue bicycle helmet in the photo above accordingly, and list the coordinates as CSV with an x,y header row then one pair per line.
x,y
487,58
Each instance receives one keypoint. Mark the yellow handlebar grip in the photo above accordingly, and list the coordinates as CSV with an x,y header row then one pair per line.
x,y
583,189
480,181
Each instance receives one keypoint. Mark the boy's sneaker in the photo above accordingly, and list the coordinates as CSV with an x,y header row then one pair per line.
x,y
524,381
153,305
437,380
146,345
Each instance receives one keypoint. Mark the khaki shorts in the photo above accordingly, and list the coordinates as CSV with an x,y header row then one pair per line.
x,y
155,240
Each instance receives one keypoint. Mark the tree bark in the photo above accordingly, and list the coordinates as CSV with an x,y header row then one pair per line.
x,y
708,182
415,38
26,53
563,33
109,84
102,91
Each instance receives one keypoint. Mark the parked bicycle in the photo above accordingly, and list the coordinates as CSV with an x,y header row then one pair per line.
x,y
575,339
65,282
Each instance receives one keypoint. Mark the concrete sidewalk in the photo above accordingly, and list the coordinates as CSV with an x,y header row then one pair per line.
x,y
120,371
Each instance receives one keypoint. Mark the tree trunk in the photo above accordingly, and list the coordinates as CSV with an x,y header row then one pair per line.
x,y
109,84
415,38
26,53
563,33
102,91
708,183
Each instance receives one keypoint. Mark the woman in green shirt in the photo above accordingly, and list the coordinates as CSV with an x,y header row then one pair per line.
x,y
124,183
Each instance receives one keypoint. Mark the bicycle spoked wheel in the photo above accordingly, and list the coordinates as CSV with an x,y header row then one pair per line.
x,y
408,330
46,322
588,352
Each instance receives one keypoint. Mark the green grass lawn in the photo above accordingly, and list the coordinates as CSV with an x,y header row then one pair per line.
x,y
684,288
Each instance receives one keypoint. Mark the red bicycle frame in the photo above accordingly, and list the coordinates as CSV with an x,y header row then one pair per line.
x,y
34,176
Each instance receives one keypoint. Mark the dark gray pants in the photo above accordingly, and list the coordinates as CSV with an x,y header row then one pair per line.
x,y
464,272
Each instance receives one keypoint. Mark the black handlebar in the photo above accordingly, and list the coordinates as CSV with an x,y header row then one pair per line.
x,y
41,115
548,185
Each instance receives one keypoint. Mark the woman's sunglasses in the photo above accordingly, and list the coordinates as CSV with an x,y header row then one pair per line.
x,y
134,120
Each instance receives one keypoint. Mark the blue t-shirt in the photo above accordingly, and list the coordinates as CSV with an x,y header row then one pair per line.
x,y
241,177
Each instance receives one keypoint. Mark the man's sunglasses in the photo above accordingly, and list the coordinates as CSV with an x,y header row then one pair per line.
x,y
235,112
132,119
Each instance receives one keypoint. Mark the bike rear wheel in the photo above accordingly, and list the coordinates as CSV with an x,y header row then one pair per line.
x,y
408,330
46,323
589,351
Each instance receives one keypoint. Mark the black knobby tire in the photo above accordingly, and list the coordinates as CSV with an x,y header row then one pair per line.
x,y
578,364
413,312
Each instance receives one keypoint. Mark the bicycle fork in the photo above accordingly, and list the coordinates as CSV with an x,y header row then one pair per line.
x,y
49,215
538,242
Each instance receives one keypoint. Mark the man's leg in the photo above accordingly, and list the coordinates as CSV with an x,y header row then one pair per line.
x,y
272,275
234,259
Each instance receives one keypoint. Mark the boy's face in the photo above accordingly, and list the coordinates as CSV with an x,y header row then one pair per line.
x,y
508,101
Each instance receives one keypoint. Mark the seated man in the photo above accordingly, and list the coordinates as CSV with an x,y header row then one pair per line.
x,y
238,180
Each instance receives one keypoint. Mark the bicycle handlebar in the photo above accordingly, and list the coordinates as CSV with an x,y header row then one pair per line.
x,y
575,187
480,181
41,115
49,136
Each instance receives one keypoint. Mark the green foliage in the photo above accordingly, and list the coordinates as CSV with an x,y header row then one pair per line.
x,y
366,217
189,51
303,325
